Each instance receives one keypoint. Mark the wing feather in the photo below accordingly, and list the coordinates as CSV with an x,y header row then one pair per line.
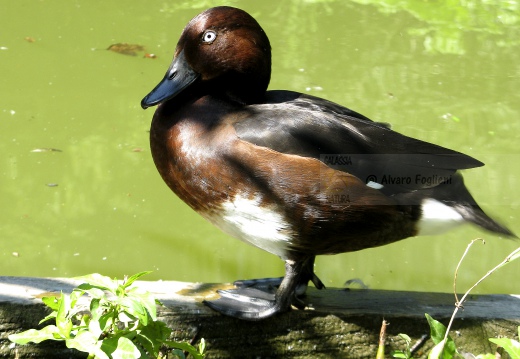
x,y
345,140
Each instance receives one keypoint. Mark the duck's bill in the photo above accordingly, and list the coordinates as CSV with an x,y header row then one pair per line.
x,y
179,76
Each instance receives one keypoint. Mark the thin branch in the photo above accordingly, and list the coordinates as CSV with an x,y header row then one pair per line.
x,y
458,266
382,339
512,256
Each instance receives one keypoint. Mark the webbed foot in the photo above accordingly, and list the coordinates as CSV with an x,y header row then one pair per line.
x,y
263,298
245,303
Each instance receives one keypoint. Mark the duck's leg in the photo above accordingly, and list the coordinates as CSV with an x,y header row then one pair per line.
x,y
271,284
251,303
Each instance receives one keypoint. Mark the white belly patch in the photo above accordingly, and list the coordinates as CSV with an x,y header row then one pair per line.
x,y
263,227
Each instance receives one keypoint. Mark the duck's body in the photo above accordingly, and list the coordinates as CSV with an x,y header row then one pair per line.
x,y
284,203
295,175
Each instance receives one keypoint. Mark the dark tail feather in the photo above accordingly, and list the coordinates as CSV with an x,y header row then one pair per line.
x,y
453,193
457,196
475,214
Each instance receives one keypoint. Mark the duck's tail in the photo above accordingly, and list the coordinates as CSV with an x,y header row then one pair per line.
x,y
474,214
450,204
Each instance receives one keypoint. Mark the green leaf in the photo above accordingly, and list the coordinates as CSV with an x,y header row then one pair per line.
x,y
135,308
88,343
63,321
74,296
437,333
406,338
126,318
399,354
84,341
96,310
95,328
51,302
437,329
106,321
185,347
133,278
403,353
450,349
437,350
121,291
202,346
98,281
511,346
120,348
146,300
35,336
179,353
109,345
126,349
49,317
152,336
93,291
85,320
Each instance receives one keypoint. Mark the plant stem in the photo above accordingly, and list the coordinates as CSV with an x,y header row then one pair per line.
x,y
382,338
460,263
512,256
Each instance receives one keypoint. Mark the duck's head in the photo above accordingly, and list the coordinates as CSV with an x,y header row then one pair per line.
x,y
222,52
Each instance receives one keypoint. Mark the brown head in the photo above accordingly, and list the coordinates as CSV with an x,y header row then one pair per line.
x,y
222,52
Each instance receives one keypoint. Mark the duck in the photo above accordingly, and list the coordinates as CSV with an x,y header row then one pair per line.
x,y
292,174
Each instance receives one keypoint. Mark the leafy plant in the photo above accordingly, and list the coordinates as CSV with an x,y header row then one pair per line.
x,y
404,354
121,322
445,347
511,346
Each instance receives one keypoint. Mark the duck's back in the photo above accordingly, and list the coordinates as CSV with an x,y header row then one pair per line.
x,y
345,140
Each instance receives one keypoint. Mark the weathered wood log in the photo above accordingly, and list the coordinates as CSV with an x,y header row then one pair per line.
x,y
339,323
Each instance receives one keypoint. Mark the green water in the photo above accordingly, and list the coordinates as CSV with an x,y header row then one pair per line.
x,y
442,72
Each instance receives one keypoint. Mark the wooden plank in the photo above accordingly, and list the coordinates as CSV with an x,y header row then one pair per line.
x,y
339,323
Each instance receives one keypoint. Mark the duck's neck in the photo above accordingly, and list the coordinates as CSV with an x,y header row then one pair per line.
x,y
244,91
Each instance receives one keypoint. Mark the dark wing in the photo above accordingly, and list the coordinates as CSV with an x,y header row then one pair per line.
x,y
308,126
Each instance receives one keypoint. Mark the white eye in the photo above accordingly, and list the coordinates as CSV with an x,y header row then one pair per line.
x,y
209,36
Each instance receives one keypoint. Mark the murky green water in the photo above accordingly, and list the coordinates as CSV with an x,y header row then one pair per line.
x,y
442,73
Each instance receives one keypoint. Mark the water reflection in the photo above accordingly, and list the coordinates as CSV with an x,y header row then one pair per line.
x,y
444,25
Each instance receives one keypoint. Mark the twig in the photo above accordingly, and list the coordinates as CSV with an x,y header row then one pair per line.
x,y
382,339
419,343
512,256
459,264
